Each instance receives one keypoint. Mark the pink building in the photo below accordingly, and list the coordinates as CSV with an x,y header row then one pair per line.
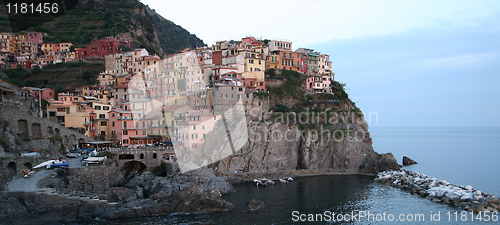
x,y
46,93
35,37
319,83
126,128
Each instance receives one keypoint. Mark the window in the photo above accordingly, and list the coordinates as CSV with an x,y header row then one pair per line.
x,y
240,89
203,127
194,136
113,132
103,133
124,124
52,113
194,127
113,124
154,155
125,132
102,116
143,132
104,123
204,136
97,107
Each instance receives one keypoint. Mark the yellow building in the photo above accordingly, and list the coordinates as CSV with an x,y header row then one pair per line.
x,y
102,119
254,61
47,48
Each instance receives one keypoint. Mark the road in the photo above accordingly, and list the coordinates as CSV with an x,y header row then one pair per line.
x,y
28,184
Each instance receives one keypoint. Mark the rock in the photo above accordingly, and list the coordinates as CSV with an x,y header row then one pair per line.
x,y
118,194
492,199
195,200
160,196
479,207
256,204
220,184
382,162
407,161
11,208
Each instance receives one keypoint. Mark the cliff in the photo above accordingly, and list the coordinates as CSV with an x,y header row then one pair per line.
x,y
287,131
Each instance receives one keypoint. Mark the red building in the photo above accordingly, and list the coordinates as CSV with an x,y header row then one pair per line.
x,y
102,47
26,64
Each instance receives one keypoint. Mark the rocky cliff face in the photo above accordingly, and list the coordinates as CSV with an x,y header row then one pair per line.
x,y
343,145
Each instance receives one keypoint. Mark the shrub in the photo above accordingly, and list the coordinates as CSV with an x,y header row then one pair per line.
x,y
261,94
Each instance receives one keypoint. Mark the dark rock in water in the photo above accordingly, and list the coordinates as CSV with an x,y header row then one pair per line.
x,y
381,162
256,204
195,200
407,161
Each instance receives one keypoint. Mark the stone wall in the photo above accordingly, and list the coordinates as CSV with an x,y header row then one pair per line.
x,y
26,127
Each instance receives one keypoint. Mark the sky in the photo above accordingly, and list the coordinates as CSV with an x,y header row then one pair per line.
x,y
405,63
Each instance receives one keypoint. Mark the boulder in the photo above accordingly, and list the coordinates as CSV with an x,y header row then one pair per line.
x,y
381,162
11,208
256,204
118,194
492,199
407,161
194,200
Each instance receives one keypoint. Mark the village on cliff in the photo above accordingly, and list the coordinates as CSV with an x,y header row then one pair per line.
x,y
144,100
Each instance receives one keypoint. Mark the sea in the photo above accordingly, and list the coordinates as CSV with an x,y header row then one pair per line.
x,y
462,156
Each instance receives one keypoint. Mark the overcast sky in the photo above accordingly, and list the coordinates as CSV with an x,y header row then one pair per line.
x,y
412,63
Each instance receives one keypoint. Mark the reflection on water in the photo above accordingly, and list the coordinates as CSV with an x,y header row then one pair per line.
x,y
459,155
314,195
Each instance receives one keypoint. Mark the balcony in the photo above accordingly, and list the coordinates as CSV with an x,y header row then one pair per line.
x,y
154,126
125,118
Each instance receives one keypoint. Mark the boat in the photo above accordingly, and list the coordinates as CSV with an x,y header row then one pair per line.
x,y
44,164
94,159
59,165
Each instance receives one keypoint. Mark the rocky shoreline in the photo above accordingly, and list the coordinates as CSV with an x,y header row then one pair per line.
x,y
440,191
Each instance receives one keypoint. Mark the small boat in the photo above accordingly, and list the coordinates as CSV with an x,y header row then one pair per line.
x,y
44,164
283,181
58,165
290,179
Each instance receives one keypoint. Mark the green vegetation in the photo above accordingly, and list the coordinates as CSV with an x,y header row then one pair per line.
x,y
292,84
58,76
55,139
261,94
309,111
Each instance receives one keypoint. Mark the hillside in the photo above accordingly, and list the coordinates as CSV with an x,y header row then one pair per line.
x,y
91,19
59,77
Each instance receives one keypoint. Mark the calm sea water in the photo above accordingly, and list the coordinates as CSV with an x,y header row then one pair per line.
x,y
459,155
